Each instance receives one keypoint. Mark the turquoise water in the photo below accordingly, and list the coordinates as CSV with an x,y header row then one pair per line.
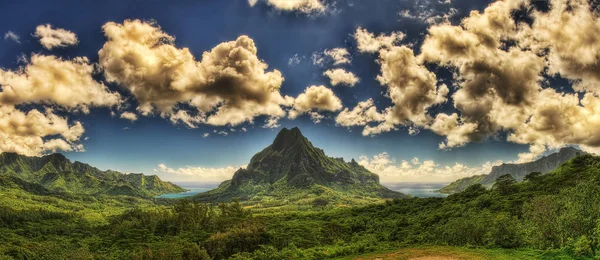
x,y
191,192
421,190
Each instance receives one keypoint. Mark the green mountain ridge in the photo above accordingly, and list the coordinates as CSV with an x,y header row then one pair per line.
x,y
292,169
542,165
56,173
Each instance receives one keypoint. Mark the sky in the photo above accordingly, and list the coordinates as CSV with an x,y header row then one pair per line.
x,y
415,90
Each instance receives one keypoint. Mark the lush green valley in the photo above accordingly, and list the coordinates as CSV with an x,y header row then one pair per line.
x,y
545,216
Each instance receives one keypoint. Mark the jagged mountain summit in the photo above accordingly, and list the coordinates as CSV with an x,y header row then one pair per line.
x,y
543,165
291,168
56,173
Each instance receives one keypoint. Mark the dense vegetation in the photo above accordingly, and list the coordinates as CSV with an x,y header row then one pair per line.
x,y
517,170
552,215
56,173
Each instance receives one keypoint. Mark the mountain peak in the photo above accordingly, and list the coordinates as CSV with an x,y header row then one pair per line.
x,y
570,149
287,138
59,157
293,165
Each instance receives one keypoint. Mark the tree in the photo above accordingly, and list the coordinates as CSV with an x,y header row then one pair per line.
x,y
532,176
505,185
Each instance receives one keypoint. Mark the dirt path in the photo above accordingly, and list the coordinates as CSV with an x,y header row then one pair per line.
x,y
434,258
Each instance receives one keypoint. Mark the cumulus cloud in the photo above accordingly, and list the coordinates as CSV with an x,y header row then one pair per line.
x,y
559,119
129,116
184,117
496,83
499,66
194,173
367,41
317,98
335,56
55,38
570,34
456,132
341,77
304,6
228,86
416,170
412,88
34,133
49,79
338,55
10,35
363,113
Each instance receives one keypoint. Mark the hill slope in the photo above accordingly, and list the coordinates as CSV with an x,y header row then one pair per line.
x,y
518,171
293,169
56,173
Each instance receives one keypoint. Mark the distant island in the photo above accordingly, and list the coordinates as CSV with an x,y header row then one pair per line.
x,y
292,169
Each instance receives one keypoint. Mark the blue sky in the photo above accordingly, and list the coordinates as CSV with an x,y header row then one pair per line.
x,y
114,143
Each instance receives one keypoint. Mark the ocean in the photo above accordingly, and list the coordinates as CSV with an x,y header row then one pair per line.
x,y
421,190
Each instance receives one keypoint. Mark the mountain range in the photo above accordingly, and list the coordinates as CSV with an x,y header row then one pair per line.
x,y
292,169
56,173
543,165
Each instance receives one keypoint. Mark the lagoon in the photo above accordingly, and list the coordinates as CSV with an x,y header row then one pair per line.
x,y
420,190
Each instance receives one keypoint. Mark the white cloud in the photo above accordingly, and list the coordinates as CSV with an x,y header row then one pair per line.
x,y
335,56
271,123
368,42
304,6
429,16
49,79
55,38
129,116
362,114
316,117
10,35
228,86
35,133
294,60
412,88
184,117
570,35
317,98
416,170
338,55
341,77
193,173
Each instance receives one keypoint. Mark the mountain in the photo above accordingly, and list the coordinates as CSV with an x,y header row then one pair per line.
x,y
56,173
518,171
292,169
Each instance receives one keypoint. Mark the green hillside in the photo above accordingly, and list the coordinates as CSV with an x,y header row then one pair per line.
x,y
518,171
462,184
57,174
